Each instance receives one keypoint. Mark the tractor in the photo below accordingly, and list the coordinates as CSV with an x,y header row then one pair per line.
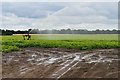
x,y
27,36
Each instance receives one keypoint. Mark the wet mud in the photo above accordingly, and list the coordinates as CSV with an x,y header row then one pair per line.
x,y
60,63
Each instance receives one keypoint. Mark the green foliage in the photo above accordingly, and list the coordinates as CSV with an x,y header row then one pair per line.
x,y
7,48
86,42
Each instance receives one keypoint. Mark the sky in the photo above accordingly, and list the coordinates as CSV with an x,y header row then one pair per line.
x,y
59,15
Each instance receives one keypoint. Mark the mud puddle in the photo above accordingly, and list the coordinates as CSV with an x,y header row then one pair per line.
x,y
60,63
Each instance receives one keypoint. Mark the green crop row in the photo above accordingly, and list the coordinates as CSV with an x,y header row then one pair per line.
x,y
8,48
14,43
82,45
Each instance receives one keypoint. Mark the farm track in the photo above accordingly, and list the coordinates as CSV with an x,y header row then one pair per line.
x,y
60,63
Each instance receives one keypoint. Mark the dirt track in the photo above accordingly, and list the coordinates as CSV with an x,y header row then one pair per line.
x,y
60,63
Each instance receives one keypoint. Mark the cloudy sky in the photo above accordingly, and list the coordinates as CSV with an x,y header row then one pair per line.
x,y
59,15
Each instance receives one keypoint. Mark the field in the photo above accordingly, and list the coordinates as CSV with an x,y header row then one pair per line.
x,y
69,41
60,56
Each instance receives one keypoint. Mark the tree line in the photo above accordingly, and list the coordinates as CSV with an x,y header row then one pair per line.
x,y
62,31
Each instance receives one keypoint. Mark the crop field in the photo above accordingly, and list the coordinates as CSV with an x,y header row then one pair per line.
x,y
69,41
60,56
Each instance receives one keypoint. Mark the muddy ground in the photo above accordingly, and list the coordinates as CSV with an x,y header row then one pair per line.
x,y
60,63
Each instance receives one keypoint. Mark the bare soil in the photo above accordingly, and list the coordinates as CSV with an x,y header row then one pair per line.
x,y
60,63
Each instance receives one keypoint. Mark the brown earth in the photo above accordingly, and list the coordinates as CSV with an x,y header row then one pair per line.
x,y
60,63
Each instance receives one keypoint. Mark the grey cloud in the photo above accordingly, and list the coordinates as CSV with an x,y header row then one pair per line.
x,y
61,15
30,10
105,13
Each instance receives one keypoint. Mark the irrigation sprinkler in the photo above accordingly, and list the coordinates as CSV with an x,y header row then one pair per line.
x,y
27,36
